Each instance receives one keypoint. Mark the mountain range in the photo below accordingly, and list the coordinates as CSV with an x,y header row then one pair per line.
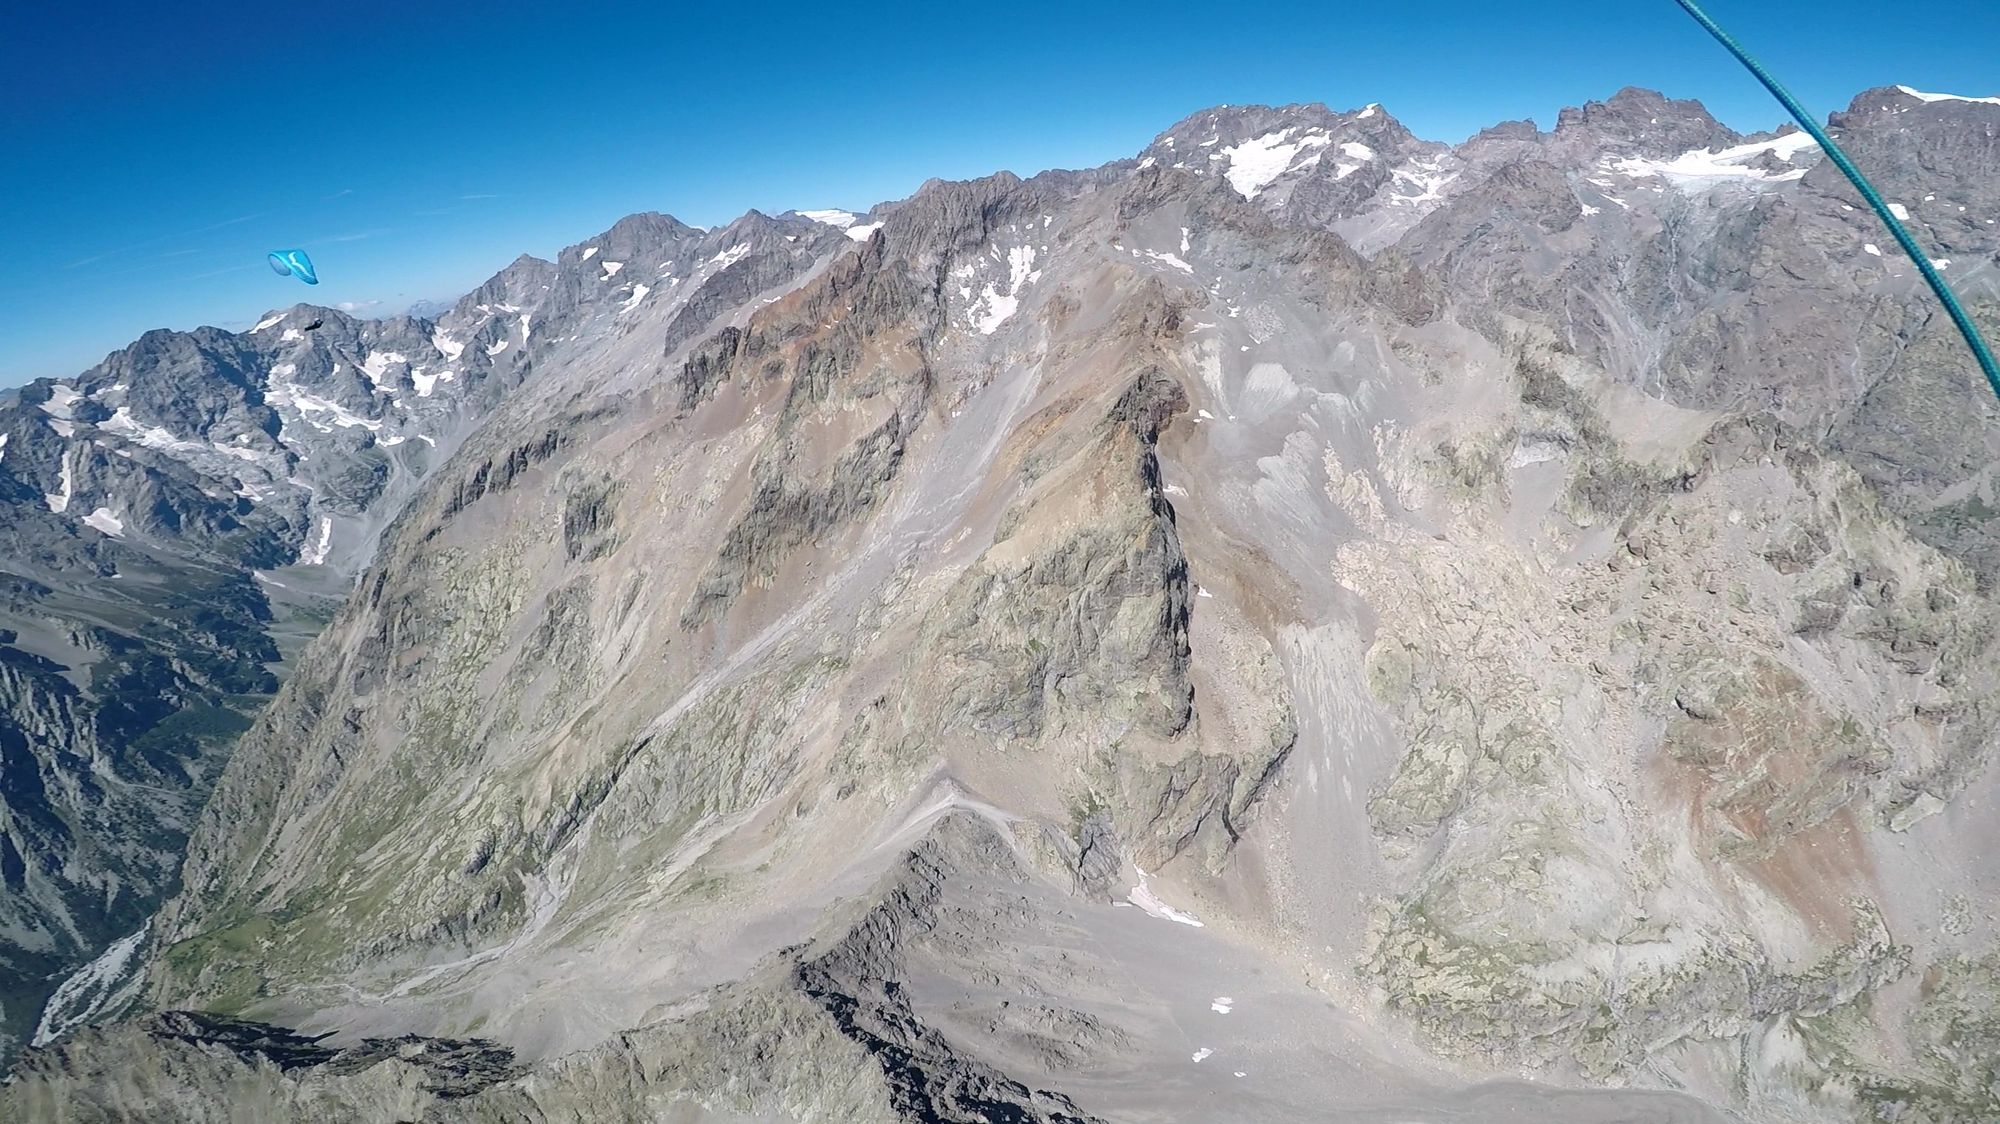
x,y
1301,623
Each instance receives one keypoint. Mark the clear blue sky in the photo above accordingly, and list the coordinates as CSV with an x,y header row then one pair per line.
x,y
150,155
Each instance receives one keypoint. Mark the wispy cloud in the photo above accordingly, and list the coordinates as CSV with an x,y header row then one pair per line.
x,y
438,211
225,222
338,194
357,235
179,253
480,197
356,306
218,272
151,242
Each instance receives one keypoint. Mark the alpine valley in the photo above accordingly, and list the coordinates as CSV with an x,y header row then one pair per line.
x,y
1304,623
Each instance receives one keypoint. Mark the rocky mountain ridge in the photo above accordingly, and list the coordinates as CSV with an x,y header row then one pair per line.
x,y
1303,621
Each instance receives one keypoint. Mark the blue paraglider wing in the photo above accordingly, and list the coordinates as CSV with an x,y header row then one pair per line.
x,y
294,263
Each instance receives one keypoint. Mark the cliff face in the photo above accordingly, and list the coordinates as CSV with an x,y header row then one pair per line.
x,y
1099,644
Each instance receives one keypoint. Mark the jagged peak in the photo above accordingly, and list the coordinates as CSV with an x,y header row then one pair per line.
x,y
1896,100
1217,125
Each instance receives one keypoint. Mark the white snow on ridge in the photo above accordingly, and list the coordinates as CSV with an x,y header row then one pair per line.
x,y
448,347
1170,259
1699,167
1255,163
863,232
268,321
832,217
590,253
497,348
3,447
611,269
104,521
1921,96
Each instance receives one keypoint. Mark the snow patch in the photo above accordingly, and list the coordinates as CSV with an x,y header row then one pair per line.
x,y
863,232
1901,212
1255,163
1369,112
268,321
497,348
378,364
1202,1053
638,294
1221,1004
994,307
61,398
1143,897
611,269
1872,248
728,257
832,217
1170,259
1701,168
308,404
59,501
427,383
315,555
1420,182
590,253
446,346
92,988
104,521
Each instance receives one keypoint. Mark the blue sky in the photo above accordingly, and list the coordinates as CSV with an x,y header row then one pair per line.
x,y
150,155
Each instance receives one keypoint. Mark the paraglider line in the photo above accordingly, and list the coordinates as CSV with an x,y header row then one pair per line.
x,y
1923,262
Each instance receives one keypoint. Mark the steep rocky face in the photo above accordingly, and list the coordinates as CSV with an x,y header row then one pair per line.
x,y
182,516
1106,643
